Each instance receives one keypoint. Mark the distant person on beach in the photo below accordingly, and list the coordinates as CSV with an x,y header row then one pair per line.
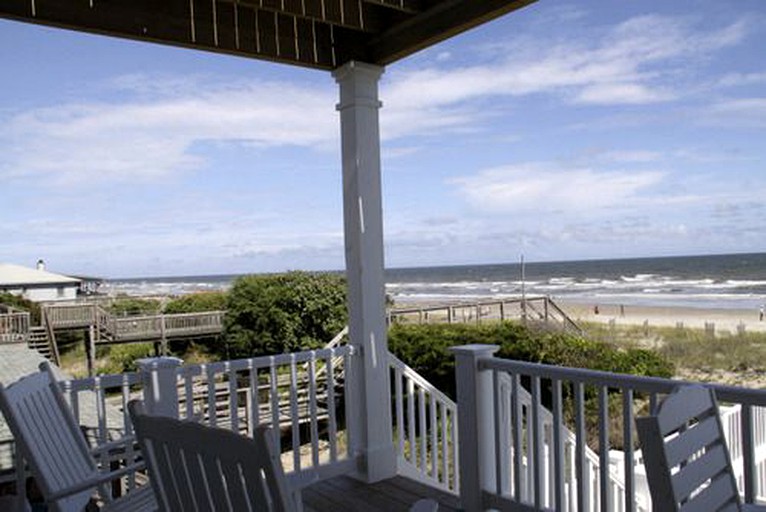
x,y
760,313
622,310
595,309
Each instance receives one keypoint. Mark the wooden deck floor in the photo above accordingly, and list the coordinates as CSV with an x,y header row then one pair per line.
x,y
345,494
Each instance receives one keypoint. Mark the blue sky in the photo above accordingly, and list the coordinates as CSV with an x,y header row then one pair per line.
x,y
564,131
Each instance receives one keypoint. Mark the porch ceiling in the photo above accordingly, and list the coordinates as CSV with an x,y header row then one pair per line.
x,y
322,34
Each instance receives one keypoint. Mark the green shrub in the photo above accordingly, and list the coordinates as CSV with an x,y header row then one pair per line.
x,y
23,304
279,313
122,358
129,306
196,303
425,349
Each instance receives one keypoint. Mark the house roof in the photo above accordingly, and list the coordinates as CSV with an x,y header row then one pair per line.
x,y
321,34
16,275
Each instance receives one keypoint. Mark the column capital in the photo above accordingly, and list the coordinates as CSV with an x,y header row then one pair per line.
x,y
356,69
358,83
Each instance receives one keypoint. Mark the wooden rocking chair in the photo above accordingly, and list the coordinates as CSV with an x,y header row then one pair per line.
x,y
193,467
50,441
686,458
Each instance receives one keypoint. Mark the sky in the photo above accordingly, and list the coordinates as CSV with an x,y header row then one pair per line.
x,y
564,131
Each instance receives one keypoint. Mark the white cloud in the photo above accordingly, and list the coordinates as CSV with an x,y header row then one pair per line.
x,y
626,156
741,79
644,60
149,133
542,188
145,139
739,112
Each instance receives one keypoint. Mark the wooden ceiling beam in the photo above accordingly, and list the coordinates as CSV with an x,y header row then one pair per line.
x,y
442,21
322,34
406,6
351,14
193,24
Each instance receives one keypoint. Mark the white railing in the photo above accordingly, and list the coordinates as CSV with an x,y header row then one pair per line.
x,y
425,429
509,458
14,327
616,485
306,410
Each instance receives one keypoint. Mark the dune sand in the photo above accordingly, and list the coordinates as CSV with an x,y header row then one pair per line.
x,y
662,316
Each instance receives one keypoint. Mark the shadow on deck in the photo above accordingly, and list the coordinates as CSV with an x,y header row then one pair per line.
x,y
345,494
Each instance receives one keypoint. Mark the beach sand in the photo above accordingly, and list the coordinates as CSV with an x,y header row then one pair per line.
x,y
662,316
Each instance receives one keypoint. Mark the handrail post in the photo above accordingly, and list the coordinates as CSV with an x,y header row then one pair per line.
x,y
476,423
159,377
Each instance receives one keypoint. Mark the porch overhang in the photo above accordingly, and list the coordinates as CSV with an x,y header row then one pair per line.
x,y
323,34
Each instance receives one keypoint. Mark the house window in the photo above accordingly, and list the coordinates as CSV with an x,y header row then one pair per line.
x,y
60,291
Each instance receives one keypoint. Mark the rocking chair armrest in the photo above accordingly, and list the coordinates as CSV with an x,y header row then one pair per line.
x,y
123,442
95,481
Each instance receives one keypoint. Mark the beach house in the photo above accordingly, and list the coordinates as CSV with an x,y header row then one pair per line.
x,y
37,284
354,410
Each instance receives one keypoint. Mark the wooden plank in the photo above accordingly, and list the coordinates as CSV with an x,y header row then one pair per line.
x,y
344,494
442,21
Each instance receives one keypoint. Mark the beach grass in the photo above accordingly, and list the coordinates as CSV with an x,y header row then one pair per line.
x,y
727,358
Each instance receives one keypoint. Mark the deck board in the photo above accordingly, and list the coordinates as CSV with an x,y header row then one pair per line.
x,y
345,494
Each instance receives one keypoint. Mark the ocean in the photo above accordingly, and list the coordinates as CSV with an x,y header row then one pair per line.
x,y
734,281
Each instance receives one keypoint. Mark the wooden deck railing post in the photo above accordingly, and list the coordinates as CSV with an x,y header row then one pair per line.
x,y
476,424
160,385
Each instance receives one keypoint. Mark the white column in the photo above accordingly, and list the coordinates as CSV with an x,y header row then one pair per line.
x,y
160,385
476,424
369,417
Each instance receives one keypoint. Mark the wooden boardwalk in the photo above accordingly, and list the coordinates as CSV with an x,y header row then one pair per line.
x,y
398,494
536,309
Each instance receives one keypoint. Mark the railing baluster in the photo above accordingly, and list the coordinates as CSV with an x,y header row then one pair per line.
x,y
517,436
433,422
189,393
233,398
583,501
627,446
100,399
537,444
399,410
603,447
313,410
294,415
332,424
445,456
274,396
130,455
748,453
558,446
422,430
212,406
500,437
455,436
254,403
411,421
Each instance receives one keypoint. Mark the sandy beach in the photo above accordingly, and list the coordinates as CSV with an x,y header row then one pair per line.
x,y
663,316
